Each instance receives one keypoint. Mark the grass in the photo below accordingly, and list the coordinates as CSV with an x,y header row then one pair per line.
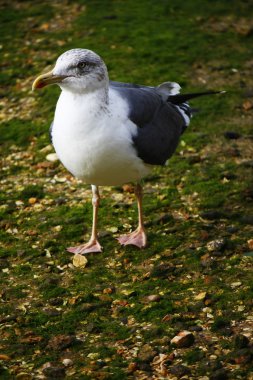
x,y
204,194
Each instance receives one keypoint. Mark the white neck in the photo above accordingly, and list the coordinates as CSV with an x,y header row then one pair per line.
x,y
93,101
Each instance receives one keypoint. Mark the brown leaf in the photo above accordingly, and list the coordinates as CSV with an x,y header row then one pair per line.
x,y
32,200
247,105
60,342
250,243
128,188
31,339
4,357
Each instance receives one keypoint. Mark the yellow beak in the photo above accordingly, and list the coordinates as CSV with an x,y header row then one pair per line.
x,y
46,79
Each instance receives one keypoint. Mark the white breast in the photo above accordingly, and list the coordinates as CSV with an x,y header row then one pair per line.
x,y
95,144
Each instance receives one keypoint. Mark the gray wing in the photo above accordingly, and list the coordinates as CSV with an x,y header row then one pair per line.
x,y
159,123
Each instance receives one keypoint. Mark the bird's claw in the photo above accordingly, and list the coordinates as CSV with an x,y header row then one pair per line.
x,y
91,246
137,238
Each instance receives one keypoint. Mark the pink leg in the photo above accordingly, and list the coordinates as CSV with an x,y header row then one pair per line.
x,y
93,244
138,237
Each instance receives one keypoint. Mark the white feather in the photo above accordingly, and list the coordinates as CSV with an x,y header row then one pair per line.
x,y
95,143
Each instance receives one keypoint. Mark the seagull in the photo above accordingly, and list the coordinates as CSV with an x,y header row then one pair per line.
x,y
110,133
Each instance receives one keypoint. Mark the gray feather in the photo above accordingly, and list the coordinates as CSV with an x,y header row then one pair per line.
x,y
159,123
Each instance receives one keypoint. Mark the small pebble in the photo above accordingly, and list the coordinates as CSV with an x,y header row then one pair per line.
x,y
67,362
52,157
183,339
216,245
153,298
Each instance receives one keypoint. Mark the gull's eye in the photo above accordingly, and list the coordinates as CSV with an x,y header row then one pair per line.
x,y
81,65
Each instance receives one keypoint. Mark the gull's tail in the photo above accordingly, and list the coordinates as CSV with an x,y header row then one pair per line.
x,y
182,98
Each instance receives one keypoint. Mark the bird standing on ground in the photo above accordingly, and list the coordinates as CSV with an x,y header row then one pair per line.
x,y
110,133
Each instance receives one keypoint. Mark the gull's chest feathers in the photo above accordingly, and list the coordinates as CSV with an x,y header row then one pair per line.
x,y
93,142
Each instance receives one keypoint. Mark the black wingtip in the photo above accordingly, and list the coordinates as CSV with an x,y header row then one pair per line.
x,y
181,98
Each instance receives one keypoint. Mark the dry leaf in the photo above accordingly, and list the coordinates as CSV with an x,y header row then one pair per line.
x,y
79,260
200,296
32,200
4,357
247,105
250,243
31,339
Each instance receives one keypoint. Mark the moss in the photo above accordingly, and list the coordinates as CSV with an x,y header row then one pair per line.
x,y
194,356
20,132
220,323
149,43
32,191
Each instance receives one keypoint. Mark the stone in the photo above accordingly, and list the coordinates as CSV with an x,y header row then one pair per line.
x,y
183,339
216,245
67,362
52,157
153,298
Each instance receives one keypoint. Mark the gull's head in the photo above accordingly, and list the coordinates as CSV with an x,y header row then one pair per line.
x,y
76,70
